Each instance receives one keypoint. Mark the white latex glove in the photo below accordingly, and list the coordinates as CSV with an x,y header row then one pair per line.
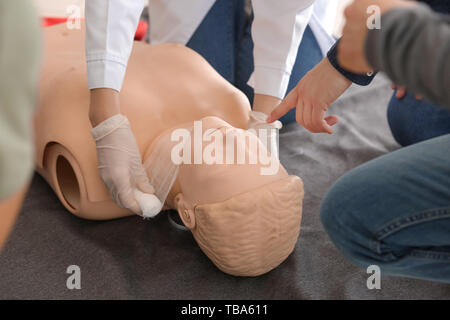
x,y
257,121
120,167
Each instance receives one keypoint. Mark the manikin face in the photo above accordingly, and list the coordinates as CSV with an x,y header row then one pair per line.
x,y
246,222
210,183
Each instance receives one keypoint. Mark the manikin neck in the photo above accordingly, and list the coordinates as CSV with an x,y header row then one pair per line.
x,y
160,167
162,136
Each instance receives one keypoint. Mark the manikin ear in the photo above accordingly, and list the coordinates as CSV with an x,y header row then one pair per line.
x,y
186,214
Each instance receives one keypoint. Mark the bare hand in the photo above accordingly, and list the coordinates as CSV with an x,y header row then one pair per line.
x,y
401,92
351,47
312,96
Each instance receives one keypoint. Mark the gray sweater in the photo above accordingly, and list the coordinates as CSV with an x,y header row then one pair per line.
x,y
413,49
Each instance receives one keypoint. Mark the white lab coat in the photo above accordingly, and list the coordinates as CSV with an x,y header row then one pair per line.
x,y
277,31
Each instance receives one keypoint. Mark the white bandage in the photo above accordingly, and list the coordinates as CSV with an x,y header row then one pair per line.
x,y
149,203
161,170
268,133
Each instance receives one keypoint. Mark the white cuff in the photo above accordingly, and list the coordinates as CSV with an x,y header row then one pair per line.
x,y
269,81
105,74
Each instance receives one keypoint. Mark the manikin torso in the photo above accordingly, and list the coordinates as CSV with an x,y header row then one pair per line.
x,y
165,87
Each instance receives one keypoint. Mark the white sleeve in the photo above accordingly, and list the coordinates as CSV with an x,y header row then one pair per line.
x,y
110,29
277,31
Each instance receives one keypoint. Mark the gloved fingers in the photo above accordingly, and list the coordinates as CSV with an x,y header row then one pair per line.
x,y
119,161
149,203
276,124
120,197
268,126
140,177
258,120
126,200
257,116
118,182
145,186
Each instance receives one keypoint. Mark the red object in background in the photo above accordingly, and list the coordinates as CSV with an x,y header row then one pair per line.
x,y
139,36
141,31
47,22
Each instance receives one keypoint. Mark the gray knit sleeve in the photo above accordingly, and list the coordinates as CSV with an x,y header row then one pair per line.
x,y
413,49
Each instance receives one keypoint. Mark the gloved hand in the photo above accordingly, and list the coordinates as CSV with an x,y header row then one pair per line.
x,y
256,122
120,166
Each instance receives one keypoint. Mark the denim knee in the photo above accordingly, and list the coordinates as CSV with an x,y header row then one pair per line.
x,y
343,217
412,121
334,212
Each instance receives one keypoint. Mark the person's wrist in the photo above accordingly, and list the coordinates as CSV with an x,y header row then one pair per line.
x,y
104,103
334,74
265,103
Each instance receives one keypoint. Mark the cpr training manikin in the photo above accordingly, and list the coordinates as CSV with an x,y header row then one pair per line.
x,y
246,222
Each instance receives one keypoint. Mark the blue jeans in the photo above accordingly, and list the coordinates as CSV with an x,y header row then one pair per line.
x,y
394,211
224,40
412,120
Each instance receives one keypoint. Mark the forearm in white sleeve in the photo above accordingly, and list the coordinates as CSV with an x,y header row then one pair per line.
x,y
110,29
277,31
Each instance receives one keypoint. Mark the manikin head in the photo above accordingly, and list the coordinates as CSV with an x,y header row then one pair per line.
x,y
246,222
